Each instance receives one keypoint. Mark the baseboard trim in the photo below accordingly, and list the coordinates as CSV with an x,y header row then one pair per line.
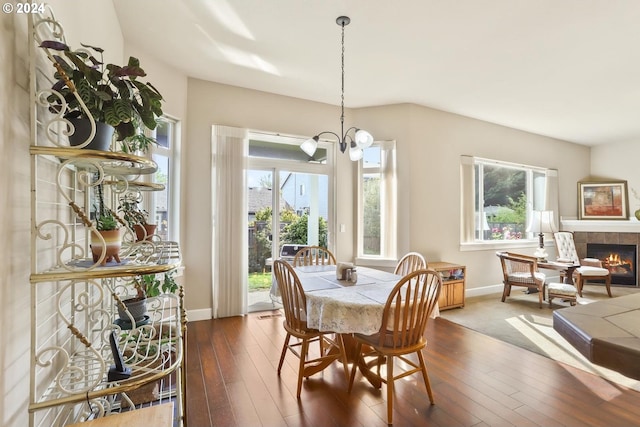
x,y
201,314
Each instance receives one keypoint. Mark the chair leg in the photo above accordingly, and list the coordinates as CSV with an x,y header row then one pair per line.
x,y
303,357
607,283
506,291
425,375
580,283
540,295
284,351
390,387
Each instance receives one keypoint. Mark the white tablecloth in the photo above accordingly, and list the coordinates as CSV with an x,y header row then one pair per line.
x,y
343,307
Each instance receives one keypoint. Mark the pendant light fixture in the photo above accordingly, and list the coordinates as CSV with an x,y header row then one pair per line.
x,y
356,139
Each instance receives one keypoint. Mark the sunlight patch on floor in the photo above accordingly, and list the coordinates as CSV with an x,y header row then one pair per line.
x,y
538,330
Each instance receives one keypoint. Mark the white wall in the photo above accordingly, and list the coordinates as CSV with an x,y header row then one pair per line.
x,y
619,161
430,143
14,221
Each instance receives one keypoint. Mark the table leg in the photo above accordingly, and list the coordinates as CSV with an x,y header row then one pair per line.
x,y
365,368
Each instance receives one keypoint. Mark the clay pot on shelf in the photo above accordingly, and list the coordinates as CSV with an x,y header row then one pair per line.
x,y
144,231
113,243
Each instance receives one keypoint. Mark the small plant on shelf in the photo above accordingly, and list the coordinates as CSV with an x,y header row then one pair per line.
x,y
146,286
135,216
108,239
150,285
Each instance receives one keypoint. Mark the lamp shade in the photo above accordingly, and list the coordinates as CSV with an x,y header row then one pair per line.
x,y
355,153
542,222
363,139
310,146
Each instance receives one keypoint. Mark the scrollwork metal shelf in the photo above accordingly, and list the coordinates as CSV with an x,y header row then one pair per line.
x,y
75,299
163,257
111,162
152,351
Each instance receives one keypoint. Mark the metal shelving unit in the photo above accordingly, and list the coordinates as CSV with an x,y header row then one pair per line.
x,y
74,299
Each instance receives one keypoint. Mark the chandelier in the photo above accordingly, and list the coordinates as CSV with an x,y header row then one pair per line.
x,y
356,139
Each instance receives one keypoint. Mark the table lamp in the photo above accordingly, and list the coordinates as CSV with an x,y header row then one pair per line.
x,y
541,222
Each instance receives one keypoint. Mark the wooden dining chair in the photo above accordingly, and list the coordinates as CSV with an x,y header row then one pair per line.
x,y
314,255
401,333
411,262
295,323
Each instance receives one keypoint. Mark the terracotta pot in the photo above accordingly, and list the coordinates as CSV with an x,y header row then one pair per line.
x,y
145,231
101,140
112,245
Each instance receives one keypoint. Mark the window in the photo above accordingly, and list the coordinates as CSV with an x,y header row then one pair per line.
x,y
377,206
163,205
504,196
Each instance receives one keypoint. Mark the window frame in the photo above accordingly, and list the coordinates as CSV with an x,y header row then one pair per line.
x,y
388,225
173,155
540,199
278,165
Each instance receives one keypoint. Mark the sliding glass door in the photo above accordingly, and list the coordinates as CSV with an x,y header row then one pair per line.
x,y
281,179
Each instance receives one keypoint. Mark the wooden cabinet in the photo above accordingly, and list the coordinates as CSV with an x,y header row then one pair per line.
x,y
453,284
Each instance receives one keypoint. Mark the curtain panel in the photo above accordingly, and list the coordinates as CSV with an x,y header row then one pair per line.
x,y
229,238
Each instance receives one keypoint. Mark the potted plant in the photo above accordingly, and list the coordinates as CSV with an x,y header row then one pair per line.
x,y
113,94
108,238
138,143
146,285
135,216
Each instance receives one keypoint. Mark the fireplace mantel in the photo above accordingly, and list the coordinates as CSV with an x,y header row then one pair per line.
x,y
604,226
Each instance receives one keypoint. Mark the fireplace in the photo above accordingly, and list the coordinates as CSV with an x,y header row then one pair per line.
x,y
619,259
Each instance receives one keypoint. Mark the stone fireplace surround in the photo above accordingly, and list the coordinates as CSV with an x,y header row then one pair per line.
x,y
609,232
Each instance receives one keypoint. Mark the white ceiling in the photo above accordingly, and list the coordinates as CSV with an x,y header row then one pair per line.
x,y
568,69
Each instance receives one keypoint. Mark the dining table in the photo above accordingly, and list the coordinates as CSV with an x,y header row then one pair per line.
x,y
346,307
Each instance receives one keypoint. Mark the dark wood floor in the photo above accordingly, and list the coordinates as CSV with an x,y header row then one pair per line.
x,y
476,380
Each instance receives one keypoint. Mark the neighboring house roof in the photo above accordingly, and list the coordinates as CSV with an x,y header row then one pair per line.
x,y
261,197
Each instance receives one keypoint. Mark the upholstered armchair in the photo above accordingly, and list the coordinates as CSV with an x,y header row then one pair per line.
x,y
590,268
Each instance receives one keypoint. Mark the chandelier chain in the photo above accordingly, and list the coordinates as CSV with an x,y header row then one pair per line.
x,y
342,96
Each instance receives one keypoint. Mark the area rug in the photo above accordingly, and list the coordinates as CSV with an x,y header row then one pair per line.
x,y
520,321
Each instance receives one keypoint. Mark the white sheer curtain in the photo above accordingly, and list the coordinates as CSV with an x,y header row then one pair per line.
x,y
467,202
388,197
229,238
551,201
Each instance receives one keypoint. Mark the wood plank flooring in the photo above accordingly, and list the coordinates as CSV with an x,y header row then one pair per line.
x,y
477,381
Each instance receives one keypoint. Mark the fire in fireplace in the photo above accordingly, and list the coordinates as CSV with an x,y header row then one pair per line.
x,y
620,260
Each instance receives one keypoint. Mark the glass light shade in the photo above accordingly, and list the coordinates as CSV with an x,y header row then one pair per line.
x,y
310,146
363,139
355,153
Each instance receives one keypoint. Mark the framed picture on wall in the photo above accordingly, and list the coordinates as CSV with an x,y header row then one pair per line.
x,y
603,200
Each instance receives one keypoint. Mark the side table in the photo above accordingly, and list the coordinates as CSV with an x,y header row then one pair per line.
x,y
453,284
